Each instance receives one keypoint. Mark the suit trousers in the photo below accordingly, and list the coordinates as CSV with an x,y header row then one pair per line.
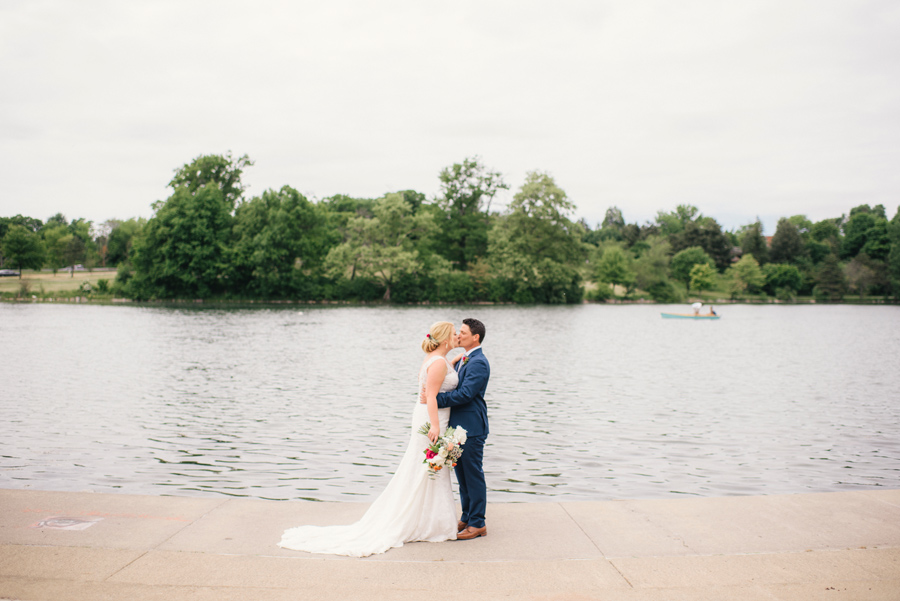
x,y
472,487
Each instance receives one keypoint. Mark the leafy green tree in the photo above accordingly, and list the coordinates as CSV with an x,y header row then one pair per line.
x,y
703,277
802,223
121,239
824,239
415,200
652,266
753,243
816,250
222,171
30,223
745,275
101,239
279,236
877,212
381,247
827,230
893,260
183,250
56,240
707,234
855,234
58,219
614,267
878,241
535,247
866,230
541,210
613,219
22,249
82,229
675,221
467,190
631,234
782,276
831,283
873,274
74,252
348,206
787,244
684,261
860,276
652,270
611,228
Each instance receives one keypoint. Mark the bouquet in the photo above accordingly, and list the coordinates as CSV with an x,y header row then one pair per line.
x,y
445,450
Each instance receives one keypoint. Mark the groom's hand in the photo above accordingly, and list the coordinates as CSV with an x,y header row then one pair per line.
x,y
422,398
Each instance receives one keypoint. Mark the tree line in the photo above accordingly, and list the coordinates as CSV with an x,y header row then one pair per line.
x,y
208,241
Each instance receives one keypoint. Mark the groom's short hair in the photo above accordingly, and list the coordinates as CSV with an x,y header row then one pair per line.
x,y
476,327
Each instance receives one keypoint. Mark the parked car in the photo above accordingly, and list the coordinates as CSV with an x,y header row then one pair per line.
x,y
6,272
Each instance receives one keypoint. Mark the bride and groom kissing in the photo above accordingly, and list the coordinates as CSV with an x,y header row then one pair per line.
x,y
417,504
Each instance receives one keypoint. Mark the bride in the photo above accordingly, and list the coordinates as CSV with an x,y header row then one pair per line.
x,y
414,506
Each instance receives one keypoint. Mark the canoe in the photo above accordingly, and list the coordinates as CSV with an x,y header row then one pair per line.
x,y
689,316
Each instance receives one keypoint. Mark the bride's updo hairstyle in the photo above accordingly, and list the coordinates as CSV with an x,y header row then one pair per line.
x,y
438,334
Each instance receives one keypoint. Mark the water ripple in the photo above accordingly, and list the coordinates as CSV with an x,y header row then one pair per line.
x,y
586,403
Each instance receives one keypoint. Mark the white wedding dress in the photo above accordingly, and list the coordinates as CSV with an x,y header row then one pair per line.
x,y
413,507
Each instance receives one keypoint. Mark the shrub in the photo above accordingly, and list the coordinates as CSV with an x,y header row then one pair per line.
x,y
664,291
361,289
455,287
601,293
784,294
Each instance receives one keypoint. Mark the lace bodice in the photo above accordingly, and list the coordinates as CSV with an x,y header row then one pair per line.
x,y
451,380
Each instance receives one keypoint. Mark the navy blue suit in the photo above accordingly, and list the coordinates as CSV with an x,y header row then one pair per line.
x,y
469,411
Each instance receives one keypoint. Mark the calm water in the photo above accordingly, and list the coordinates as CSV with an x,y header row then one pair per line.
x,y
586,403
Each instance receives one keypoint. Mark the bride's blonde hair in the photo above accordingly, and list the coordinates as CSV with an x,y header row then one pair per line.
x,y
439,332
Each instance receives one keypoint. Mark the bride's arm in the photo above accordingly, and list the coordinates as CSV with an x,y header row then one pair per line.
x,y
433,381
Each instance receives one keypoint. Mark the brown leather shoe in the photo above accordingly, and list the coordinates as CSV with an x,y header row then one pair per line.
x,y
471,532
460,526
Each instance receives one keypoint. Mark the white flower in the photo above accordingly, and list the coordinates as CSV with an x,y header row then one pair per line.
x,y
460,436
443,452
436,460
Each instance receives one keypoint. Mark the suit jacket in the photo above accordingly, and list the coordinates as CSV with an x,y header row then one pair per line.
x,y
467,407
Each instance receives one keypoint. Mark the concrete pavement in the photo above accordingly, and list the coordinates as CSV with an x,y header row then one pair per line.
x,y
64,546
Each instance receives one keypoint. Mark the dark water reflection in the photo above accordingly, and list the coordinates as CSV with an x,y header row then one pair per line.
x,y
586,403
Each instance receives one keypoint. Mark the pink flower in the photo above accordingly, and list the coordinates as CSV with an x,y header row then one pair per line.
x,y
429,454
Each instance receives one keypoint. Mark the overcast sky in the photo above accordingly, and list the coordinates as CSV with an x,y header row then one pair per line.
x,y
768,108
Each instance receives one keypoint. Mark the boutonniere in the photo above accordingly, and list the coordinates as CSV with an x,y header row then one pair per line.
x,y
465,359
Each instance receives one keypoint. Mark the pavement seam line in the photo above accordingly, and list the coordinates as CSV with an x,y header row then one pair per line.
x,y
596,546
167,539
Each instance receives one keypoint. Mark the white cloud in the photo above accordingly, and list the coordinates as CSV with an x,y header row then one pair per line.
x,y
765,108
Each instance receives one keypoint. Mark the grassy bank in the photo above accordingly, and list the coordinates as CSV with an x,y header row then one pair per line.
x,y
44,283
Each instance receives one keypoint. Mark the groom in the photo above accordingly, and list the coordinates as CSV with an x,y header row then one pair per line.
x,y
469,411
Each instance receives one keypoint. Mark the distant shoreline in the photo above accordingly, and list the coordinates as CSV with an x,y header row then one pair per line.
x,y
379,303
62,287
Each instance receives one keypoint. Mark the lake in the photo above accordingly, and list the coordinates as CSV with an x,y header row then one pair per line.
x,y
587,402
